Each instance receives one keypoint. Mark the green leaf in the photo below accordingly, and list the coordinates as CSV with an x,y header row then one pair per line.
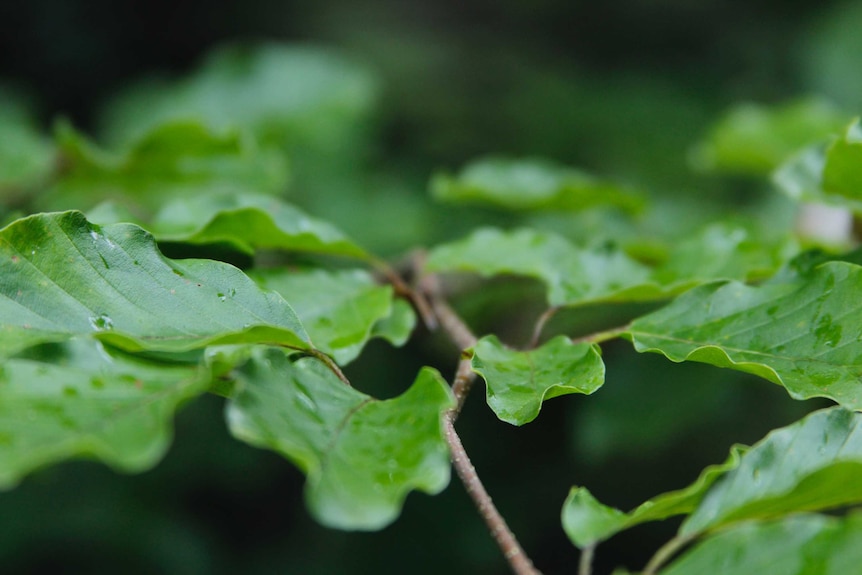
x,y
361,456
172,160
82,399
810,465
799,334
282,94
531,184
828,173
577,276
517,382
26,155
250,222
755,139
842,173
61,276
800,545
587,522
339,309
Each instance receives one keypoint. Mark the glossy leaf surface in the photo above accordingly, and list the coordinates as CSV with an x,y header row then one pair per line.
x,y
250,222
530,184
576,276
588,522
799,334
61,276
339,309
799,545
517,382
361,456
81,400
810,465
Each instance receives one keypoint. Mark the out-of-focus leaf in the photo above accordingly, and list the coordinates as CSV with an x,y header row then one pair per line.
x,y
249,222
826,173
26,155
798,545
361,456
588,522
810,465
282,94
755,139
799,334
575,276
80,399
61,276
517,382
339,309
172,160
842,173
531,184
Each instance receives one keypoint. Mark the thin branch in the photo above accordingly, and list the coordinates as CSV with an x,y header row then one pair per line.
x,y
512,551
540,324
416,297
330,363
665,553
459,333
585,565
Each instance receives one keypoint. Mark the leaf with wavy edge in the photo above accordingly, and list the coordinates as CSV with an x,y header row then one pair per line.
x,y
361,456
518,382
250,222
799,334
61,276
339,309
531,184
578,276
587,522
811,465
798,545
79,399
172,160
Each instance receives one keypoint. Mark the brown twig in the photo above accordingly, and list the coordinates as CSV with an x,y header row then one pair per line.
x,y
464,338
330,363
416,297
540,324
512,550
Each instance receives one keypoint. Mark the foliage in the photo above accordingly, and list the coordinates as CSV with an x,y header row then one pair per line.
x,y
171,264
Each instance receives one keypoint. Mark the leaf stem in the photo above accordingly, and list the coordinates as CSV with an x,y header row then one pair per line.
x,y
585,565
540,324
512,550
665,552
330,363
416,297
600,336
459,333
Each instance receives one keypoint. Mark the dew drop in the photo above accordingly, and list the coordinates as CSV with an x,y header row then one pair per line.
x,y
231,292
221,296
102,322
69,391
97,383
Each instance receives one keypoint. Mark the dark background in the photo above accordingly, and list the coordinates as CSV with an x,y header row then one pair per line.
x,y
623,88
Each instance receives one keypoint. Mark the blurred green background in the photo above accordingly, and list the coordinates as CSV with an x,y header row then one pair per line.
x,y
624,89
